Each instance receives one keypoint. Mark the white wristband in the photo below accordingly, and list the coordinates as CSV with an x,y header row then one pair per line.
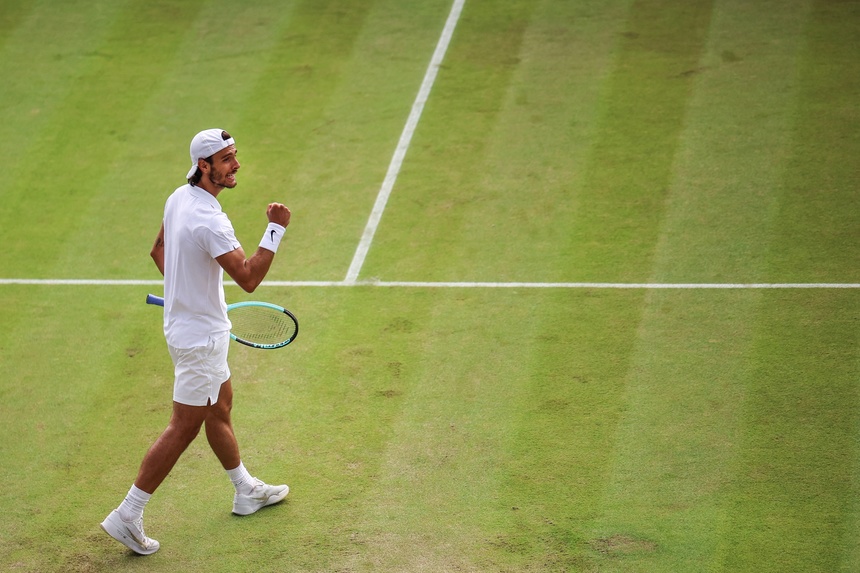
x,y
272,237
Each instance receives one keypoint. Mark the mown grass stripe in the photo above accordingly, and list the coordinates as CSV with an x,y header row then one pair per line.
x,y
790,503
734,149
619,200
817,217
675,437
538,149
793,502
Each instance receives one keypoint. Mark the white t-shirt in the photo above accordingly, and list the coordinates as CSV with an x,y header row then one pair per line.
x,y
196,231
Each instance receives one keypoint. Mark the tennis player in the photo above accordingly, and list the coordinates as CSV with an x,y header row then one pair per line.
x,y
194,247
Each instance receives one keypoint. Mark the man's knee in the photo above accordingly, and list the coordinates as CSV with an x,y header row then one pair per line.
x,y
219,412
224,405
186,421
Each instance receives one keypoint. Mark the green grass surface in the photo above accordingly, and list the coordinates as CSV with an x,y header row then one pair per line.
x,y
445,429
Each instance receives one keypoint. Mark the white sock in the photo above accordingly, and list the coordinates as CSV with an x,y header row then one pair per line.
x,y
242,480
131,508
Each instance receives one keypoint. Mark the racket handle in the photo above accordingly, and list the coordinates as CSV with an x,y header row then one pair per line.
x,y
156,300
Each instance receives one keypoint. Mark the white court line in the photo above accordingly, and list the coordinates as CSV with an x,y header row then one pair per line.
x,y
403,144
616,285
420,284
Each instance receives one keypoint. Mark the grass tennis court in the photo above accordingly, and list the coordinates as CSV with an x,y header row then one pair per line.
x,y
443,428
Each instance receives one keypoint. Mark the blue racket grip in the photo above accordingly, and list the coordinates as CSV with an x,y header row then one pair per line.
x,y
156,300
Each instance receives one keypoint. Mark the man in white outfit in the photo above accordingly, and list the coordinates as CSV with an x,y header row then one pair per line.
x,y
194,247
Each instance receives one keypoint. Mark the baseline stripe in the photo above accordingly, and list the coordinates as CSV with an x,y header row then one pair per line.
x,y
403,145
618,285
419,284
83,282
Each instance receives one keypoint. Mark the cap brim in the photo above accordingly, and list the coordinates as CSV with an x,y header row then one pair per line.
x,y
192,171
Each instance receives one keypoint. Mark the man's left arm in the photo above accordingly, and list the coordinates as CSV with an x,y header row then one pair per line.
x,y
249,273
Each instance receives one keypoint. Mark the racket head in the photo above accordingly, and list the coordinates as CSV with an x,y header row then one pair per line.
x,y
262,324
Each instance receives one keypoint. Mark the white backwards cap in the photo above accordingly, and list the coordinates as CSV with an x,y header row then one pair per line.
x,y
206,144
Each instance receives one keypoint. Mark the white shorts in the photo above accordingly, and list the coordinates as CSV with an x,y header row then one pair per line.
x,y
200,371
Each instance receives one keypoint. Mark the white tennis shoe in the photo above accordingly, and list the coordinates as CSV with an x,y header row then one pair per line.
x,y
129,534
261,495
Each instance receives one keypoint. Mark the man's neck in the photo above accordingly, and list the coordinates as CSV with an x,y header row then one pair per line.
x,y
210,188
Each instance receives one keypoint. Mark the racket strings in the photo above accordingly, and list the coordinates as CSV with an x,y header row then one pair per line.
x,y
261,325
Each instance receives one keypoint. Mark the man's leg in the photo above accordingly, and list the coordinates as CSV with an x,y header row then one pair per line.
x,y
125,524
184,425
219,428
251,493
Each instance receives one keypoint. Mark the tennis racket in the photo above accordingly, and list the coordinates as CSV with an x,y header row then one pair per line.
x,y
256,324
